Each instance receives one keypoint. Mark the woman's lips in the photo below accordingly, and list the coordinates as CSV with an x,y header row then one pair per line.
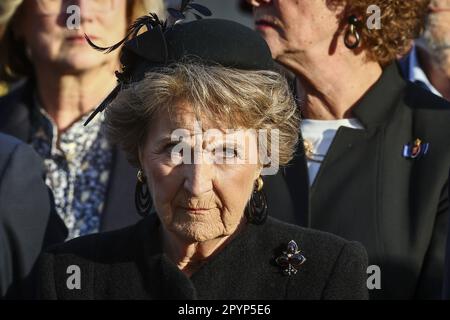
x,y
197,210
265,24
80,39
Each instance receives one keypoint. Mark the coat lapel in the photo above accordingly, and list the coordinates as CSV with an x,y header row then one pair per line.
x,y
15,113
162,278
119,208
350,166
354,161
296,175
350,161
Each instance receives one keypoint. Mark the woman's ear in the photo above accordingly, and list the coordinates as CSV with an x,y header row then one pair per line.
x,y
258,172
140,157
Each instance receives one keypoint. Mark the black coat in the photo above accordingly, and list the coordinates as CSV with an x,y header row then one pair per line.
x,y
129,264
446,290
28,220
17,118
367,191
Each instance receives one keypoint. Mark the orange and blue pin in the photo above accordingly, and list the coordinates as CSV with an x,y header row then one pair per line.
x,y
415,150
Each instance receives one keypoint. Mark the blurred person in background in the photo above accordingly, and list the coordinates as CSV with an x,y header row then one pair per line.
x,y
374,162
63,80
7,9
28,220
428,63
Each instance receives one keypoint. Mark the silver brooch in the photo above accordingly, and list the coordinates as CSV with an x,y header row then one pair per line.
x,y
291,260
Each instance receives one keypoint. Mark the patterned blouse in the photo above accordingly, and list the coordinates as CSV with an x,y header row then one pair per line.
x,y
78,164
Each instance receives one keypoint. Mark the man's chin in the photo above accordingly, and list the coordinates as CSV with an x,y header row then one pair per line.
x,y
442,59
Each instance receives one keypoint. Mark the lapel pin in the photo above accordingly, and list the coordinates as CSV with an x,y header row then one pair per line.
x,y
415,150
291,259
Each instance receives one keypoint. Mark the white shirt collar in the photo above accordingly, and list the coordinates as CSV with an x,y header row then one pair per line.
x,y
416,72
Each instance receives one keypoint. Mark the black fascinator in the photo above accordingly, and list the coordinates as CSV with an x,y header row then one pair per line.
x,y
214,41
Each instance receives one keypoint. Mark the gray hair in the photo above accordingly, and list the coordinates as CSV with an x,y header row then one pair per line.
x,y
225,96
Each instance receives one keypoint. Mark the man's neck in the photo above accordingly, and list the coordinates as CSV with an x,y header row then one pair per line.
x,y
67,97
436,74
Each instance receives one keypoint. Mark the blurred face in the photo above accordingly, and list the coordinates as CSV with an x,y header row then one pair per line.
x,y
437,33
203,200
43,26
292,26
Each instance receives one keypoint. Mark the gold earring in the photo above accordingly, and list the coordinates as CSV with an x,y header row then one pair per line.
x,y
140,176
259,184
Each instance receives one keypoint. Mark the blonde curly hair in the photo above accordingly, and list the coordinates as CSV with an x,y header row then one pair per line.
x,y
402,21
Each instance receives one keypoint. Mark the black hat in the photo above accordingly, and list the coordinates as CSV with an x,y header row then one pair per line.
x,y
213,41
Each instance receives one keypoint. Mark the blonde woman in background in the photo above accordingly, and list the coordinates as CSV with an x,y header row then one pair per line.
x,y
62,81
7,8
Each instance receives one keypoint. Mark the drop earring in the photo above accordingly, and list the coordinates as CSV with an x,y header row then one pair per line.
x,y
256,211
352,38
142,197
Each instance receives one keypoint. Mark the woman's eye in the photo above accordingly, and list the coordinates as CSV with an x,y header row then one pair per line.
x,y
227,152
172,150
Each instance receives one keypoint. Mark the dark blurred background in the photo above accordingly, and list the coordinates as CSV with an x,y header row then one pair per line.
x,y
236,10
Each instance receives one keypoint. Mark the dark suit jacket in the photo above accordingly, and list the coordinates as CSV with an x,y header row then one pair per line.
x,y
367,191
28,221
17,118
129,264
446,290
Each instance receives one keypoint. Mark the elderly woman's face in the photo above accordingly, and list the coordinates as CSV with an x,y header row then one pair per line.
x,y
291,26
46,26
206,199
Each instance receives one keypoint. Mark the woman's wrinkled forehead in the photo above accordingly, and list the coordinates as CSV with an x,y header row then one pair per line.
x,y
183,114
182,120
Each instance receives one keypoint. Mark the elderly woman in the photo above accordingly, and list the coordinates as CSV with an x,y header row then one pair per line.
x,y
208,236
373,165
65,81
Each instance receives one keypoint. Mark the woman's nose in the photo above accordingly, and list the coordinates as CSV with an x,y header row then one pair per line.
x,y
257,3
199,178
85,8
